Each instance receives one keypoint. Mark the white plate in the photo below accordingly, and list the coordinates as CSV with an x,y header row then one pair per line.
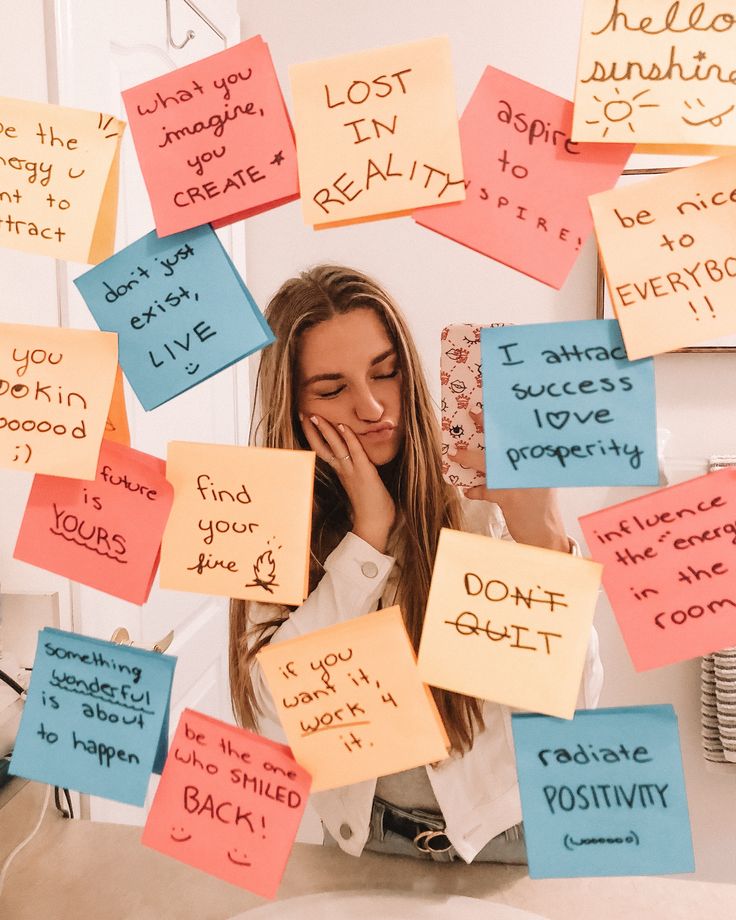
x,y
373,904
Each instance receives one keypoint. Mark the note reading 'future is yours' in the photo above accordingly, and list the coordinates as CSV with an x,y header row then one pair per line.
x,y
377,133
214,139
562,406
668,568
58,180
603,794
229,803
95,716
55,391
508,622
526,181
667,248
241,522
181,311
657,72
105,533
351,701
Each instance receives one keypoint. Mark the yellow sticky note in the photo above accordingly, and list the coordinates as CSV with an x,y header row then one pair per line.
x,y
351,701
656,72
508,622
377,133
241,522
667,251
59,172
55,391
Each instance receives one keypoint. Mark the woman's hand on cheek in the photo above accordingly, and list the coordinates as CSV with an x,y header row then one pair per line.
x,y
373,509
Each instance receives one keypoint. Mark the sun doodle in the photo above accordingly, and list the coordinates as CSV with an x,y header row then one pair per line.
x,y
616,110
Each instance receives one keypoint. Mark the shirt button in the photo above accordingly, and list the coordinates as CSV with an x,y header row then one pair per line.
x,y
369,569
346,832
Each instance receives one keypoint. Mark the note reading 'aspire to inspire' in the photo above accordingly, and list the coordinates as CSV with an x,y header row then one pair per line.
x,y
59,172
656,72
229,803
105,533
241,522
562,406
377,133
508,622
181,311
214,139
667,248
526,181
603,794
55,390
96,716
351,701
668,568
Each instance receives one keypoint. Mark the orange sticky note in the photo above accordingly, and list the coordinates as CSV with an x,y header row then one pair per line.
x,y
351,701
377,133
116,426
508,622
667,251
668,568
229,803
241,522
656,72
214,139
106,533
527,182
55,390
58,180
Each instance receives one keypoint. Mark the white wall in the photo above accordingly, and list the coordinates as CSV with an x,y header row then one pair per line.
x,y
438,282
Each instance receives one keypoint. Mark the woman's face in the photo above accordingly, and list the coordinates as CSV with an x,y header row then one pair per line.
x,y
349,374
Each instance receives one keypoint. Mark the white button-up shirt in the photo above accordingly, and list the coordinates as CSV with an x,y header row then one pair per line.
x,y
478,792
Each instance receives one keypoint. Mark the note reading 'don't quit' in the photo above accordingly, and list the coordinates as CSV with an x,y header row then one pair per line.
x,y
508,622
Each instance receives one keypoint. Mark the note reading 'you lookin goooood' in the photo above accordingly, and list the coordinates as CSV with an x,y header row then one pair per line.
x,y
351,701
59,171
508,622
241,522
95,717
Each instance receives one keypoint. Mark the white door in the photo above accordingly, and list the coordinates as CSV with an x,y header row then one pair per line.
x,y
103,47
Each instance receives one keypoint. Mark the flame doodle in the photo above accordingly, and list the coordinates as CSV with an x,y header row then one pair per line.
x,y
264,572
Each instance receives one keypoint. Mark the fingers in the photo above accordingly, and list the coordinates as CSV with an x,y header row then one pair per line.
x,y
477,492
477,416
472,459
355,448
315,439
337,453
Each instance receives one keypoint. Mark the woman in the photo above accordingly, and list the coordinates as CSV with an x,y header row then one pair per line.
x,y
343,379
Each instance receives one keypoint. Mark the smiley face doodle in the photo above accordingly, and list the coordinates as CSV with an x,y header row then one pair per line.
x,y
237,858
183,836
194,368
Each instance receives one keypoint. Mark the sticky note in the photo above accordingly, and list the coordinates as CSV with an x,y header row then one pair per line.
x,y
59,171
229,803
180,309
377,133
666,251
214,140
527,182
668,569
241,522
562,406
116,426
105,533
655,73
94,716
55,391
508,622
603,794
351,701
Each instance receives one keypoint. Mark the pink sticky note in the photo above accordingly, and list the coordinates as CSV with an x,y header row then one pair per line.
x,y
668,568
527,182
214,139
229,803
105,533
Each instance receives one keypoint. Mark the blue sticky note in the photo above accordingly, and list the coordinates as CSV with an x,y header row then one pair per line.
x,y
604,793
181,311
563,406
94,719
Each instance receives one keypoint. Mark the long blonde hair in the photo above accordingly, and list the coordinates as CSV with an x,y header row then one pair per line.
x,y
424,502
